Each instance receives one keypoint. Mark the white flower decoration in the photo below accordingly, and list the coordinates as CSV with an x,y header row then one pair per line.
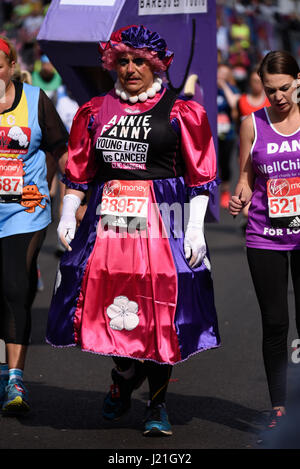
x,y
123,314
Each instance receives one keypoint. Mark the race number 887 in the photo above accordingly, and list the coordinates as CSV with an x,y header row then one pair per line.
x,y
10,185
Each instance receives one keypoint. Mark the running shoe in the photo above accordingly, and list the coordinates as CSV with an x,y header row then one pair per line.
x,y
118,401
276,418
16,398
3,384
156,422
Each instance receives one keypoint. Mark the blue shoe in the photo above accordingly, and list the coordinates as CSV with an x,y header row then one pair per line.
x,y
156,421
16,398
3,384
118,401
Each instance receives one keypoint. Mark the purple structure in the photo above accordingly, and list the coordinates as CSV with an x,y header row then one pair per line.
x,y
72,29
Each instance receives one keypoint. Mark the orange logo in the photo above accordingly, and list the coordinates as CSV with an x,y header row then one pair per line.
x,y
32,198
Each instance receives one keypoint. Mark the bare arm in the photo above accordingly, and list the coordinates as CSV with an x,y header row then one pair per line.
x,y
244,188
231,97
62,155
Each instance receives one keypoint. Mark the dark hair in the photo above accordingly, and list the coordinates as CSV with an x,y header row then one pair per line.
x,y
278,62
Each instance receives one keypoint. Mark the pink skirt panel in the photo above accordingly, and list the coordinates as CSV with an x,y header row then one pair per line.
x,y
128,297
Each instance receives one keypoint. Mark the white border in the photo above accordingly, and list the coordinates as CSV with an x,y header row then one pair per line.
x,y
277,131
90,3
255,135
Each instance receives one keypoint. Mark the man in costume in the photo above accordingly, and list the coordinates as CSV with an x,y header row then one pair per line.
x,y
135,281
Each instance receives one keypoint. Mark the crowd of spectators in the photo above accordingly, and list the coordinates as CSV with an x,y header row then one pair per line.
x,y
247,29
20,21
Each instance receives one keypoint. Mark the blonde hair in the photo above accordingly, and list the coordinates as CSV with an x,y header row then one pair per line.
x,y
22,75
26,77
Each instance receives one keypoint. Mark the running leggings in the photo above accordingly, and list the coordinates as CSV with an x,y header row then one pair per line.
x,y
18,283
158,377
269,270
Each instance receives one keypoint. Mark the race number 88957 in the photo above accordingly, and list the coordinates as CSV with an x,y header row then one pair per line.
x,y
127,206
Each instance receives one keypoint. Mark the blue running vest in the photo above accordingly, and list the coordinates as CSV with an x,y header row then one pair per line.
x,y
24,193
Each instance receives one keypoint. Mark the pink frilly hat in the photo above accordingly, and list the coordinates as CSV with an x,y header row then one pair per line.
x,y
139,37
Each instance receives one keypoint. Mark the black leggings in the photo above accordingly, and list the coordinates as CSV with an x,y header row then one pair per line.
x,y
158,377
269,270
18,283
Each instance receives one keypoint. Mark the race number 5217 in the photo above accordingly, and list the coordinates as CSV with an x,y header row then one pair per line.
x,y
284,206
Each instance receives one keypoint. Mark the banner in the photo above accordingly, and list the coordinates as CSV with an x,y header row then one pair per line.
x,y
171,7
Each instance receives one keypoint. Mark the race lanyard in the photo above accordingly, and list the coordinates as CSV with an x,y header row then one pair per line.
x,y
11,180
284,202
125,204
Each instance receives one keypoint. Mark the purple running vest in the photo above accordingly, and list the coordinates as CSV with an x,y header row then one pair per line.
x,y
274,156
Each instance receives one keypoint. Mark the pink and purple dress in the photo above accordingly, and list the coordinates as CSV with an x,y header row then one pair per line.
x,y
126,288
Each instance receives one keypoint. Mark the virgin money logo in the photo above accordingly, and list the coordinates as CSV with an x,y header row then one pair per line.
x,y
112,189
279,187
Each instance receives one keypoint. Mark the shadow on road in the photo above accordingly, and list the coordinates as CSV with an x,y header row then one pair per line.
x,y
81,410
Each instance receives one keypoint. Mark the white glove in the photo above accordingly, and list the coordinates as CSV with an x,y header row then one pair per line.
x,y
67,225
194,241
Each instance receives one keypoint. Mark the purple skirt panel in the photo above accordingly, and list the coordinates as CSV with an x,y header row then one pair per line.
x,y
195,319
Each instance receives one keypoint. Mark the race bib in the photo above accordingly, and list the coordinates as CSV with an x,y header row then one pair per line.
x,y
223,124
11,180
284,202
125,204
